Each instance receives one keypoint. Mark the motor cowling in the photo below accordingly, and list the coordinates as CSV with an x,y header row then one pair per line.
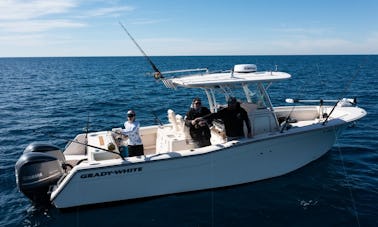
x,y
47,149
39,168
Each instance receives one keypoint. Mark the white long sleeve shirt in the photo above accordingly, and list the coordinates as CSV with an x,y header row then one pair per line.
x,y
132,131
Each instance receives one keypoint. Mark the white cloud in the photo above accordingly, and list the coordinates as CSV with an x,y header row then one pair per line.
x,y
109,11
320,40
37,25
373,39
302,31
26,26
368,45
19,39
42,15
23,10
147,21
312,46
21,16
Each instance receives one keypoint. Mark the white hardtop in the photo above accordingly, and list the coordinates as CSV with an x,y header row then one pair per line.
x,y
224,82
209,80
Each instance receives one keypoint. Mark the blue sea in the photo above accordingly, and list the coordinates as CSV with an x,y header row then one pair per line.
x,y
52,99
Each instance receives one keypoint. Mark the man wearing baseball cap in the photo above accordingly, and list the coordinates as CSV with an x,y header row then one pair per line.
x,y
135,146
233,117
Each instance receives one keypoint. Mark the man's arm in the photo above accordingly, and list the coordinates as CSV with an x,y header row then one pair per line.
x,y
248,124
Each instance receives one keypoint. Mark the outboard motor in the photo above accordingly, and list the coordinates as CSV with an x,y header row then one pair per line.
x,y
39,168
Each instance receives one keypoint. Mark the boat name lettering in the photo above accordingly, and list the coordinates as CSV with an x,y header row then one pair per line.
x,y
112,172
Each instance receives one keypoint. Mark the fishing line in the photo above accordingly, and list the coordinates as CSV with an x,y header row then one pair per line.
x,y
322,82
301,91
341,154
346,88
287,119
349,187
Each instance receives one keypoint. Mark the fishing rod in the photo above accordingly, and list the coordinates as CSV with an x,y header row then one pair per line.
x,y
157,74
157,119
288,117
84,144
287,120
86,133
343,93
290,100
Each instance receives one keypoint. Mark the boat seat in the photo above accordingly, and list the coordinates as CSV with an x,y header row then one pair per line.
x,y
262,120
248,106
173,137
75,158
101,140
76,147
178,123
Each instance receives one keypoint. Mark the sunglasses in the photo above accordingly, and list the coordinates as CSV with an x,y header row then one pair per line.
x,y
131,115
197,103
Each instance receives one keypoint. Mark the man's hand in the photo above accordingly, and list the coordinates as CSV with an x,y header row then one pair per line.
x,y
195,121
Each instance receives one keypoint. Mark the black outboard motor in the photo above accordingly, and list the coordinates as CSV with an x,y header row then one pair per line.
x,y
39,168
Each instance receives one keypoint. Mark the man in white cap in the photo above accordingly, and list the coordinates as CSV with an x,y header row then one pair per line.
x,y
135,146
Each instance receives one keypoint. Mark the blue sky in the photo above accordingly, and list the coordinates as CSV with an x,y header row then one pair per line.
x,y
187,27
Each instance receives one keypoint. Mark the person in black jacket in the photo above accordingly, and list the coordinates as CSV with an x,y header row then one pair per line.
x,y
198,127
233,117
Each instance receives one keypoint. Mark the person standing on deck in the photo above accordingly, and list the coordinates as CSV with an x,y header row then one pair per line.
x,y
233,117
135,146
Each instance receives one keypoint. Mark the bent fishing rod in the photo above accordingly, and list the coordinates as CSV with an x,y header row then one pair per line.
x,y
157,74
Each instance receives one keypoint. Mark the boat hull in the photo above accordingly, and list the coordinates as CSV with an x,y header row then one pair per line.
x,y
234,163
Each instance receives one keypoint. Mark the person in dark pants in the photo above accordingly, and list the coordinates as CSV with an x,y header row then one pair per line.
x,y
198,127
135,146
233,117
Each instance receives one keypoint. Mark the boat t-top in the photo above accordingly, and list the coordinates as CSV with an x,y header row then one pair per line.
x,y
92,170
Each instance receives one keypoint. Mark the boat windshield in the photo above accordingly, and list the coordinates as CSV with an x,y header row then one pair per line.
x,y
246,93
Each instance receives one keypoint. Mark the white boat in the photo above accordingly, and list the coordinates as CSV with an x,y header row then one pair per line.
x,y
90,170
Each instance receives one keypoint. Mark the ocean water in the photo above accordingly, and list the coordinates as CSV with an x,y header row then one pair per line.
x,y
53,99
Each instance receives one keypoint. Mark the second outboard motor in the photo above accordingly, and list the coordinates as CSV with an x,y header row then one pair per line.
x,y
47,149
39,168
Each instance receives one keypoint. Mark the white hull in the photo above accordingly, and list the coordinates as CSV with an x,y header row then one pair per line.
x,y
171,164
246,161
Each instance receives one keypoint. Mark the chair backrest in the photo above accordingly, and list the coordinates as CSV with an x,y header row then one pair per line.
x,y
262,120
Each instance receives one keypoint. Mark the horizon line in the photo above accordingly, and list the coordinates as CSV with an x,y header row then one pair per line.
x,y
210,55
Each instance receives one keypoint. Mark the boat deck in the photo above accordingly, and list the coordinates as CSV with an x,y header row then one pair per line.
x,y
175,137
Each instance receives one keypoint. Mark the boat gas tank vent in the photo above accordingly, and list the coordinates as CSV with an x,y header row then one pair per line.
x,y
245,68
